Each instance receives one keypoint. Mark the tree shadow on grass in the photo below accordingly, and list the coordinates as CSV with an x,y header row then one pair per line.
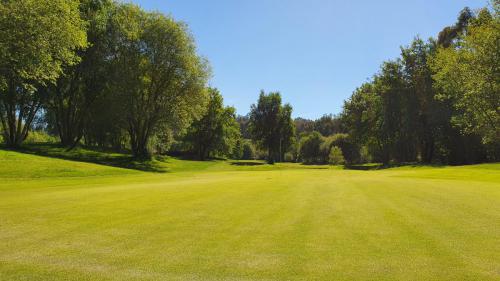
x,y
95,156
247,163
380,166
365,167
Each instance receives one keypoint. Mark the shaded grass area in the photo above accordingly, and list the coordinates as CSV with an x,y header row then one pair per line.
x,y
380,166
69,220
52,161
17,166
90,155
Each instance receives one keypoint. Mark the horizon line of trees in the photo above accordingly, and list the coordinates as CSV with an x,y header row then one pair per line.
x,y
107,74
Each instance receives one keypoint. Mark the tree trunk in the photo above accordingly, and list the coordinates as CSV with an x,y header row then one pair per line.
x,y
270,157
69,117
16,123
139,138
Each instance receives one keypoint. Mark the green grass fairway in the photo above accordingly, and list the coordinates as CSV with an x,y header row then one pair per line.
x,y
68,220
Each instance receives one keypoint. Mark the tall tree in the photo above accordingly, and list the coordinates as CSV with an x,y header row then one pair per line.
x,y
243,121
422,105
37,38
271,125
468,73
71,98
159,78
451,33
216,133
397,134
414,105
287,131
361,118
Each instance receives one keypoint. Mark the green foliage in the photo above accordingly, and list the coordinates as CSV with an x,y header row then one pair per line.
x,y
217,133
310,148
237,151
364,155
40,137
468,74
271,125
105,126
112,75
157,75
303,125
72,97
350,149
37,38
450,33
248,151
315,149
335,157
361,116
327,125
413,107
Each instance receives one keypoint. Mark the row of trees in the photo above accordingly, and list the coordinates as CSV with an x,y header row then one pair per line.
x,y
111,75
97,69
438,102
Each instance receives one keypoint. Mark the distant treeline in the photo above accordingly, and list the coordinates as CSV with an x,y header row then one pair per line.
x,y
106,74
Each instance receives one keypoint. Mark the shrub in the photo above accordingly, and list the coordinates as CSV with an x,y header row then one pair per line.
x,y
248,151
237,151
349,149
40,137
336,157
290,157
364,155
310,148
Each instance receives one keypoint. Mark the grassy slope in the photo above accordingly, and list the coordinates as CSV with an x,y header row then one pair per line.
x,y
66,220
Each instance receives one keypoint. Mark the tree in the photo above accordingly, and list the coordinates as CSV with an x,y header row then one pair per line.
x,y
216,132
468,74
328,125
105,126
72,97
450,33
271,125
243,122
37,38
399,114
303,125
361,118
287,131
158,77
412,108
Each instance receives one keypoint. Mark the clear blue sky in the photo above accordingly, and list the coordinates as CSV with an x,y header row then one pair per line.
x,y
315,52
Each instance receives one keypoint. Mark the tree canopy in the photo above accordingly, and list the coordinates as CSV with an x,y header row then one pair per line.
x,y
37,39
110,74
157,74
216,133
271,125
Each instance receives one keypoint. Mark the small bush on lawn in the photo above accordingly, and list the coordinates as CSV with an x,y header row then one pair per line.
x,y
336,157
